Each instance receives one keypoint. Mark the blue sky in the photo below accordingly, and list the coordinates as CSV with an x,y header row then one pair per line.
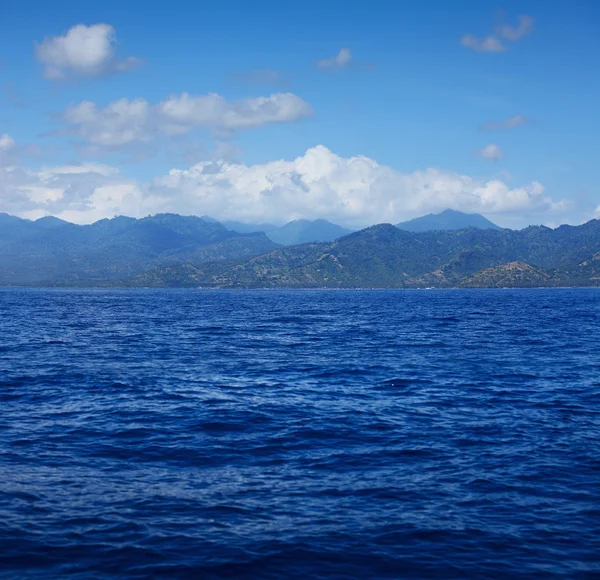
x,y
356,111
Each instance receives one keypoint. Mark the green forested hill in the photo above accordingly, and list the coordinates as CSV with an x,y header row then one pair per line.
x,y
383,256
292,233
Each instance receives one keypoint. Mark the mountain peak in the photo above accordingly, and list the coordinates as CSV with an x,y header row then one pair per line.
x,y
448,219
50,221
303,231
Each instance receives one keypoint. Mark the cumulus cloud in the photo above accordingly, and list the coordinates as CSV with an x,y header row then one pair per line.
x,y
122,122
118,123
510,123
355,191
180,113
342,59
491,152
82,51
494,42
78,193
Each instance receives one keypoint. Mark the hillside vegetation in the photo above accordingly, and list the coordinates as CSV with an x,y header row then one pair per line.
x,y
384,256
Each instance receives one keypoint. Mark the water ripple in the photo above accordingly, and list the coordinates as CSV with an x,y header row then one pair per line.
x,y
347,434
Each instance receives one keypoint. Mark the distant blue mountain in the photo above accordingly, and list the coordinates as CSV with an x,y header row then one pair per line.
x,y
244,228
305,231
448,220
50,249
292,233
49,222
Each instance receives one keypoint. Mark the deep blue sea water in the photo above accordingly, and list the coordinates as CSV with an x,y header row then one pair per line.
x,y
299,434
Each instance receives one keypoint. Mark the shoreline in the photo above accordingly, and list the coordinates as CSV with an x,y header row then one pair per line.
x,y
298,289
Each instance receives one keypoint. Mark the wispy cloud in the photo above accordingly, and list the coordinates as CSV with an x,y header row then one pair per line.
x,y
341,60
487,44
11,152
509,123
514,33
494,43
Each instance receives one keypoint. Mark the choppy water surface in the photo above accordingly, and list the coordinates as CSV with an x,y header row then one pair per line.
x,y
263,434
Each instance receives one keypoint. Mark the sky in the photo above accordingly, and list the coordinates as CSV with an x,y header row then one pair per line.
x,y
357,112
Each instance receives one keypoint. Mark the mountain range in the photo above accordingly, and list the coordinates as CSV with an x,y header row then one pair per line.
x,y
172,250
383,256
53,251
305,231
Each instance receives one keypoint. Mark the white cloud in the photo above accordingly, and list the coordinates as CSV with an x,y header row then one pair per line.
x,y
342,59
354,191
6,142
82,51
487,44
119,123
106,201
180,113
123,121
78,193
491,152
8,151
510,123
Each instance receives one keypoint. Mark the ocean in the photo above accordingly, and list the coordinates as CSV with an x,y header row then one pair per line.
x,y
299,434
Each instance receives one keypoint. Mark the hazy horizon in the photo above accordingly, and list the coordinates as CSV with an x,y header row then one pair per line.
x,y
278,224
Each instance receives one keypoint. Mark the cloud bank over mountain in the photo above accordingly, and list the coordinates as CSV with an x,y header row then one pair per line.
x,y
354,191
